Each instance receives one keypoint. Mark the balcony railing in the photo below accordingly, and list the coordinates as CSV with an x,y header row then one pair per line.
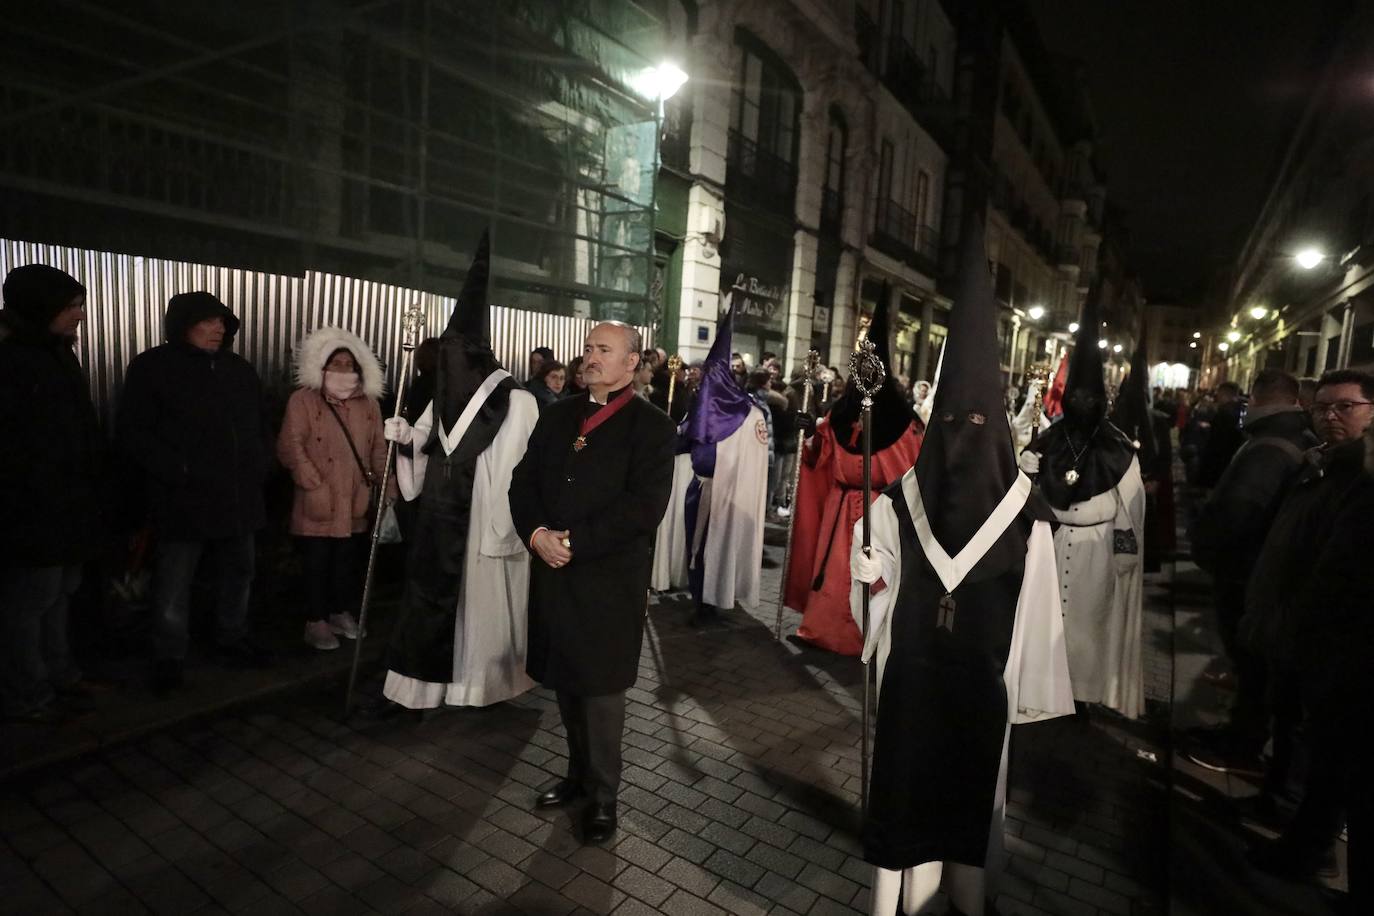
x,y
900,235
757,176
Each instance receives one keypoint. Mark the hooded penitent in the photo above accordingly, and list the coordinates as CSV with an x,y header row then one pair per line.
x,y
721,405
1083,454
315,351
1131,414
966,463
466,358
891,415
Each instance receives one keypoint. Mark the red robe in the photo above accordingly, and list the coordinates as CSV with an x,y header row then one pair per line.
x,y
829,503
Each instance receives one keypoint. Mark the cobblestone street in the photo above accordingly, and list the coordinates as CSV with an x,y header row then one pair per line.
x,y
740,795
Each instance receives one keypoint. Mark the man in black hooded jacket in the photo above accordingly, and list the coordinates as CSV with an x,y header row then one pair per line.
x,y
51,461
190,420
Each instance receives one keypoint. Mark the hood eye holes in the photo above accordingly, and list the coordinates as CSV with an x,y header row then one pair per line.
x,y
976,418
947,417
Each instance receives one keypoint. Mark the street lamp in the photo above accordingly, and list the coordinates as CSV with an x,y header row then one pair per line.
x,y
1116,348
660,83
1233,336
1192,345
1102,344
1258,312
1223,346
1309,258
1073,327
1197,335
1036,313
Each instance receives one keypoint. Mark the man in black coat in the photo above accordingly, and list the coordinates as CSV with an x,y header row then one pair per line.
x,y
1308,615
1226,539
51,459
1225,436
587,499
190,420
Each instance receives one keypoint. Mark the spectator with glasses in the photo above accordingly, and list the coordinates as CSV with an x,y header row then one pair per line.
x,y
1308,617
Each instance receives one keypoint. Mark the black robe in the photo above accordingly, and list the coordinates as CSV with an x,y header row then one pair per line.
x,y
942,711
422,641
586,619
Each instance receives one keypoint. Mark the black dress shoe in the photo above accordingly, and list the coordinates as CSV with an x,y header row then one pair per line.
x,y
558,794
598,823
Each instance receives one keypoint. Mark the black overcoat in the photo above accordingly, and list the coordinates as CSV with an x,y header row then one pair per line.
x,y
586,620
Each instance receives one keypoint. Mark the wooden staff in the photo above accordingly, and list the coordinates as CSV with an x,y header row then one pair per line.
x,y
812,360
866,374
412,325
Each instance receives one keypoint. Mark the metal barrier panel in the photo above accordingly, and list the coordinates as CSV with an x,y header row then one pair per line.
x,y
126,299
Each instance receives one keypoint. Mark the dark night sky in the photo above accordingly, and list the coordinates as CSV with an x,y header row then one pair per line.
x,y
1192,99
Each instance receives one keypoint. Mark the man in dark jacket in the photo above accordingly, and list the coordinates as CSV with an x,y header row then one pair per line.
x,y
1225,436
1227,537
190,419
51,458
587,499
1308,615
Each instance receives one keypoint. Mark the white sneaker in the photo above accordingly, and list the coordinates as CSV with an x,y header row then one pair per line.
x,y
343,625
319,636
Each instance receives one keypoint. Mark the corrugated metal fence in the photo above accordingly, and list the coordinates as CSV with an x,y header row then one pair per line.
x,y
126,298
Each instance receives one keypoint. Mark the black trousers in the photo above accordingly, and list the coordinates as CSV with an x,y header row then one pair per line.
x,y
1250,710
333,575
595,727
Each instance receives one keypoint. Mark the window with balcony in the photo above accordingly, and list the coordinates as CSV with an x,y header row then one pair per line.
x,y
763,128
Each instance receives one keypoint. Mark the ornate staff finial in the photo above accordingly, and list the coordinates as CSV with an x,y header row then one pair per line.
x,y
412,326
866,371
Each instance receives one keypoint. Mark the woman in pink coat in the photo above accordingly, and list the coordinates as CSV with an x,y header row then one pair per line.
x,y
331,442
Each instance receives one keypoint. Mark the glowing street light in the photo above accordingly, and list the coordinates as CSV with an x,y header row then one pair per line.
x,y
1258,312
1309,258
1233,336
1223,346
1036,313
1073,327
1192,345
660,83
1102,344
1116,348
1197,335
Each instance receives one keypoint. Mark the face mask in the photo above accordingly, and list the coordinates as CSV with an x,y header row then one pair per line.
x,y
341,385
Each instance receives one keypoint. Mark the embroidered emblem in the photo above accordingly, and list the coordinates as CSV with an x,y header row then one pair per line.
x,y
761,431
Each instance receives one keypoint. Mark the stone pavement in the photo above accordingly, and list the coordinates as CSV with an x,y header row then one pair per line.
x,y
740,796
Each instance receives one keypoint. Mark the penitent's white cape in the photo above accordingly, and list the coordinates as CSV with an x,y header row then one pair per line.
x,y
732,514
1037,672
489,638
1103,593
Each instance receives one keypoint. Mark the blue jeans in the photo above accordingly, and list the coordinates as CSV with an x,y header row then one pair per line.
x,y
174,569
33,621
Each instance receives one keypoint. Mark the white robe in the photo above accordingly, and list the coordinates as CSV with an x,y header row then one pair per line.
x,y
733,502
670,542
489,643
1037,671
1102,594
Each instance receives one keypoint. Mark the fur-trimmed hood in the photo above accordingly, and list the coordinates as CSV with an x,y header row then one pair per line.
x,y
314,351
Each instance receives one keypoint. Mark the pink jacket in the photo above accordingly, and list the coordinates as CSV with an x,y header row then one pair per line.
x,y
331,493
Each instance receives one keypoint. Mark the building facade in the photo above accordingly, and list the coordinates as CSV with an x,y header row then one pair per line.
x,y
1302,294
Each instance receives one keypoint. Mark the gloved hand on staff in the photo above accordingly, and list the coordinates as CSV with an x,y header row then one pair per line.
x,y
1029,462
864,568
806,422
397,430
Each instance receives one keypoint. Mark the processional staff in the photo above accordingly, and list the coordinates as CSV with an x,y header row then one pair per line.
x,y
809,374
866,374
412,324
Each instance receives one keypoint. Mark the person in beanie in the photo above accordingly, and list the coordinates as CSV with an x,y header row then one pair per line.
x,y
331,442
190,420
51,461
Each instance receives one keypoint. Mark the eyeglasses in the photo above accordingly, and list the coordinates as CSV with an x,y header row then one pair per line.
x,y
1342,408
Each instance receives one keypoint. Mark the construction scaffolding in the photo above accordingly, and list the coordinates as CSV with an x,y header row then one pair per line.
x,y
370,139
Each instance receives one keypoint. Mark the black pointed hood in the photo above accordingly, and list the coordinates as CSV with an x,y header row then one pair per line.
x,y
1131,413
966,464
891,415
1085,392
465,355
1083,441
